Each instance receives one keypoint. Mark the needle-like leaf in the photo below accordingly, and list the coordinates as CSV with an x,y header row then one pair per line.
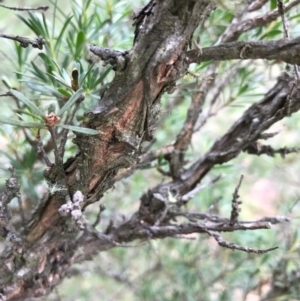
x,y
78,129
16,122
27,102
70,102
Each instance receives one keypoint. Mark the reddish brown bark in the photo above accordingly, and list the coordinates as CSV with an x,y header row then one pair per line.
x,y
124,118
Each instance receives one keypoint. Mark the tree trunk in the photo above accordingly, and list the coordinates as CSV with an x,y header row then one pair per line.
x,y
125,117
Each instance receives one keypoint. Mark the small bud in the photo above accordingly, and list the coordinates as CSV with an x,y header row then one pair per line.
x,y
51,108
52,120
74,81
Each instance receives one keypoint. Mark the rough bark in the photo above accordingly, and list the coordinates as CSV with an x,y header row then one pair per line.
x,y
125,118
286,50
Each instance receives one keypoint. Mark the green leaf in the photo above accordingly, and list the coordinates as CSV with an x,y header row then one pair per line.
x,y
90,25
6,82
27,102
273,4
70,102
20,74
224,166
79,44
45,26
56,65
94,96
78,129
64,92
59,38
48,62
29,158
243,89
86,5
77,65
21,113
91,78
38,73
160,159
103,76
27,23
38,88
43,89
37,24
16,122
58,78
32,125
57,7
66,61
204,65
85,74
66,77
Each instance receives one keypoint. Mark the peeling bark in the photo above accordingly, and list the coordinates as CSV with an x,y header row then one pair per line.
x,y
124,118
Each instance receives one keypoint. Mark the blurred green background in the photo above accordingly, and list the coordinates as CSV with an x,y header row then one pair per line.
x,y
190,268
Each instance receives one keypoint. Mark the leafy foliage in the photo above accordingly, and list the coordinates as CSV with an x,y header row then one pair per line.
x,y
170,269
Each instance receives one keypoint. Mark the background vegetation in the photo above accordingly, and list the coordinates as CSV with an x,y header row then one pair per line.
x,y
192,267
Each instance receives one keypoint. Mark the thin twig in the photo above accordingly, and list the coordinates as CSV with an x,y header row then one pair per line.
x,y
145,161
6,94
58,158
193,217
38,42
222,242
184,137
221,83
235,203
284,49
98,218
65,132
124,245
265,136
257,5
216,219
41,150
233,33
293,206
260,149
43,8
281,9
273,220
115,58
185,198
227,147
283,18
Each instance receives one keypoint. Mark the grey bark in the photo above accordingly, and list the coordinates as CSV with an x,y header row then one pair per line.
x,y
125,118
